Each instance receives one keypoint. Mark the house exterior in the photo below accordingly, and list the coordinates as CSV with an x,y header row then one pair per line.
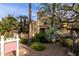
x,y
37,27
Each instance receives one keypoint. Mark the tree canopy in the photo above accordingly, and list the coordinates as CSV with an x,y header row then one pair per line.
x,y
8,23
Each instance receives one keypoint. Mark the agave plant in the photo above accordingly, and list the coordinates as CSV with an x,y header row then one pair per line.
x,y
52,34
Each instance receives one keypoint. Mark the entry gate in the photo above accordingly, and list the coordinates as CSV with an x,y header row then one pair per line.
x,y
8,45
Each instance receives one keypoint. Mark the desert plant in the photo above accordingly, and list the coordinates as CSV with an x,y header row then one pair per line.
x,y
52,34
38,46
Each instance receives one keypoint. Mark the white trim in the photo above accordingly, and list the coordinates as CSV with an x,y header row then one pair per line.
x,y
7,41
17,48
2,45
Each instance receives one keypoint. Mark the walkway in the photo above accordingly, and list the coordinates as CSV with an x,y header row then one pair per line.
x,y
51,50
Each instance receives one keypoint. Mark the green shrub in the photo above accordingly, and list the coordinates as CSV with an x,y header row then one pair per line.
x,y
34,39
69,43
76,51
78,43
41,37
23,41
63,42
8,34
38,46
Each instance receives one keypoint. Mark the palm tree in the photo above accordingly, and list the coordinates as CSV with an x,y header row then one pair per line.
x,y
20,17
23,20
30,24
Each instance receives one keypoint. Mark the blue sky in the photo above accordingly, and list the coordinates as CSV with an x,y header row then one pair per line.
x,y
17,9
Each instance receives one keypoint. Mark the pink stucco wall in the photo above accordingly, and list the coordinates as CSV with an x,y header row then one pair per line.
x,y
10,46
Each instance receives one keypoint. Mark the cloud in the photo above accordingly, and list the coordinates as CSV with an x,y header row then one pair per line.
x,y
17,9
33,14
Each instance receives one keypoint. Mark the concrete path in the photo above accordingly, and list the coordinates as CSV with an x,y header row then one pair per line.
x,y
51,50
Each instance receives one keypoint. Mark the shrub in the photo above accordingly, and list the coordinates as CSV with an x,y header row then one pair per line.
x,y
8,34
69,43
38,46
34,39
76,51
78,43
63,42
41,37
23,41
52,34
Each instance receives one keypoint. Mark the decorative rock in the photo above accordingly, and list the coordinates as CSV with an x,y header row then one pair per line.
x,y
22,52
77,40
71,53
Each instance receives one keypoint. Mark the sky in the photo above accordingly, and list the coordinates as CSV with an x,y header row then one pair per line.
x,y
22,9
18,9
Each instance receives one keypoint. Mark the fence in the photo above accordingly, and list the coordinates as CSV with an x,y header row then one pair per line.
x,y
8,45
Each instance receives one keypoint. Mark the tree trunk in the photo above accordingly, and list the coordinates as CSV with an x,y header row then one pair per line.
x,y
25,25
53,11
30,25
20,25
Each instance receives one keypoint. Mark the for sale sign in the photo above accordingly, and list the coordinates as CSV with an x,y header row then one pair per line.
x,y
9,46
